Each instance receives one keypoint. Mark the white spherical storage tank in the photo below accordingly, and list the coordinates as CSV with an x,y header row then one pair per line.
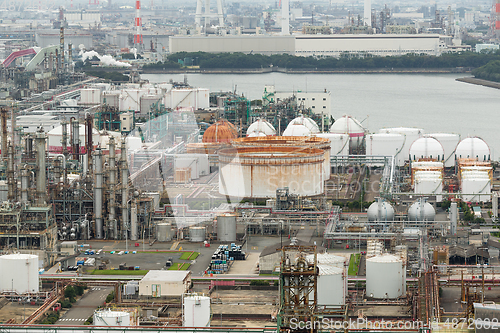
x,y
256,134
426,148
411,134
332,285
257,172
385,277
449,141
350,126
307,122
19,272
380,211
386,144
339,143
474,148
421,210
226,228
108,317
196,311
296,130
261,127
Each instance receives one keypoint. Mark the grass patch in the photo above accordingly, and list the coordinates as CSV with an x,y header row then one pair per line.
x,y
354,264
189,255
118,272
179,266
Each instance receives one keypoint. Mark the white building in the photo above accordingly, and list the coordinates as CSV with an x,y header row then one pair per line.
x,y
318,101
164,283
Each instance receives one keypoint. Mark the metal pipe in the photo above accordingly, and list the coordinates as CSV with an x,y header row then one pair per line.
x,y
41,187
112,184
124,180
98,190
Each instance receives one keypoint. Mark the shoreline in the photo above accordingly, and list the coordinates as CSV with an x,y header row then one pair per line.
x,y
480,82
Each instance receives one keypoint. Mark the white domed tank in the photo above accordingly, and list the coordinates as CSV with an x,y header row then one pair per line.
x,y
411,134
226,228
197,234
426,148
339,143
19,271
421,210
327,259
164,232
380,211
385,277
108,317
261,127
449,141
296,130
307,122
474,148
255,134
386,144
196,310
332,285
352,127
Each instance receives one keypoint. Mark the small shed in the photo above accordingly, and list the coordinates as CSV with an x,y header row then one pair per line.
x,y
165,283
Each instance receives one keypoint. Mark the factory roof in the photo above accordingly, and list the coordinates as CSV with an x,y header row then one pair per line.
x,y
467,251
165,276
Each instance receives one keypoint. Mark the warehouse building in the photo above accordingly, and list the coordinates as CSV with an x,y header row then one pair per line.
x,y
165,283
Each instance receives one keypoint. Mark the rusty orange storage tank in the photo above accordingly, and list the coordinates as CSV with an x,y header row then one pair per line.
x,y
221,131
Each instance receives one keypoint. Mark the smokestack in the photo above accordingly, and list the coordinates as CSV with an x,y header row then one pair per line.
x,y
285,17
367,15
88,141
138,26
98,194
41,187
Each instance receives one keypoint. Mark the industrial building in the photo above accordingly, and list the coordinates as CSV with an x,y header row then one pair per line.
x,y
164,283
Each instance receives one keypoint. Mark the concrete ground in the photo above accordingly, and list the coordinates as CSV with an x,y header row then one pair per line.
x,y
85,306
246,267
16,311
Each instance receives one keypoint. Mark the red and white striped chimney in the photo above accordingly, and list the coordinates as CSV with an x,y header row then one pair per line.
x,y
138,25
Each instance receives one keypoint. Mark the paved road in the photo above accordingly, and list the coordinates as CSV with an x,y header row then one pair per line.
x,y
85,306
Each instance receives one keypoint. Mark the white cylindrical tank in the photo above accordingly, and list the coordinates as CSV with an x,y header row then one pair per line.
x,y
332,285
426,148
107,317
421,210
475,148
19,272
339,143
386,144
197,234
164,232
196,311
261,127
449,141
411,134
296,130
350,126
380,211
474,183
307,122
226,228
429,183
327,259
385,277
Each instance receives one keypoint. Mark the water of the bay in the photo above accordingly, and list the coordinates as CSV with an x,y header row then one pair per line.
x,y
434,102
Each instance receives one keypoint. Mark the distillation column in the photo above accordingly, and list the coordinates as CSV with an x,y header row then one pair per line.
x,y
24,184
112,184
134,230
75,138
98,189
3,118
11,194
41,187
124,171
64,139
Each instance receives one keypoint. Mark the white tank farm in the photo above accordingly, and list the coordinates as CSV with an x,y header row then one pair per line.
x,y
426,148
296,130
197,234
386,144
350,126
54,138
257,172
19,271
196,311
339,143
327,259
90,96
475,182
474,148
108,317
261,127
307,122
380,211
226,228
332,285
449,141
385,277
421,210
429,183
411,134
164,232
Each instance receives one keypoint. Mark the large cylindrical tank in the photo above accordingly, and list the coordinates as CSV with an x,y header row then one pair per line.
x,y
386,144
380,211
257,172
475,148
226,228
385,277
327,259
421,210
429,183
426,148
332,285
339,143
411,134
197,234
163,232
19,272
350,126
196,311
107,317
449,141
